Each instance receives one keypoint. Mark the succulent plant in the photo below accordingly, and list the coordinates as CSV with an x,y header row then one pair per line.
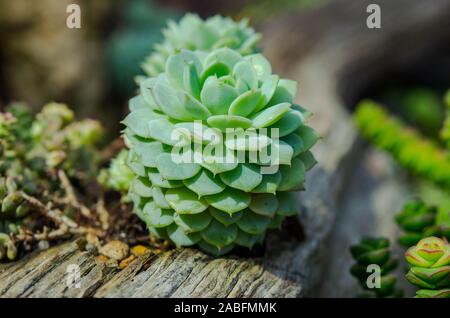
x,y
118,176
223,196
193,33
375,251
430,267
418,221
29,161
421,156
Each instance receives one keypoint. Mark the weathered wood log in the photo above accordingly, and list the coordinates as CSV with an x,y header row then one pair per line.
x,y
334,57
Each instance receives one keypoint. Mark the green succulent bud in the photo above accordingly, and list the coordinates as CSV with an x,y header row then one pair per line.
x,y
195,34
430,267
235,121
375,251
417,220
118,176
11,202
7,247
84,133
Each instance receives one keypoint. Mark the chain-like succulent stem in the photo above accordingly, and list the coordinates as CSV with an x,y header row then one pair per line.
x,y
430,267
419,155
375,251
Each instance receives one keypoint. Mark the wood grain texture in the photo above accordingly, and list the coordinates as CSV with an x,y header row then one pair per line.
x,y
332,55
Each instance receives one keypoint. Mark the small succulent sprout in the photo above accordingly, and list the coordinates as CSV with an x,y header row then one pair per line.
x,y
8,249
429,264
418,221
375,251
216,146
118,176
193,33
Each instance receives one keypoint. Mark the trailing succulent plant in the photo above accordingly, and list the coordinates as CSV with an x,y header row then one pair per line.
x,y
221,197
421,156
193,33
429,264
375,251
30,160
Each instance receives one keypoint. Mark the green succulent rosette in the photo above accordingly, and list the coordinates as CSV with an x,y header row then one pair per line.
x,y
221,198
418,221
430,267
375,251
193,33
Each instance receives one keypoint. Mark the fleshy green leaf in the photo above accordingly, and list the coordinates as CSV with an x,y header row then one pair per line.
x,y
185,201
219,235
295,142
171,170
245,104
290,122
268,90
134,162
225,218
142,187
158,180
308,160
161,130
230,200
204,183
148,152
253,223
138,121
285,92
269,184
308,135
225,55
193,222
212,250
176,64
245,177
293,177
261,65
244,70
155,216
181,238
270,115
159,198
217,96
264,204
222,122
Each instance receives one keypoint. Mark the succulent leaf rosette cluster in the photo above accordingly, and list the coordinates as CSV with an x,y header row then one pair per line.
x,y
195,34
221,192
430,268
375,251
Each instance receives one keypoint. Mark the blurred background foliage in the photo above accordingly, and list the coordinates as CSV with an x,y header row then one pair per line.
x,y
93,68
